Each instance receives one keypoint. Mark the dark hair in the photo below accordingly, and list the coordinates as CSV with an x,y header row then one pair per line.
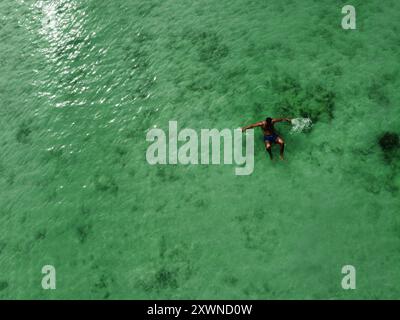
x,y
269,120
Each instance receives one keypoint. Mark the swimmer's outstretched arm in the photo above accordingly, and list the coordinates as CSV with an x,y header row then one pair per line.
x,y
254,125
281,119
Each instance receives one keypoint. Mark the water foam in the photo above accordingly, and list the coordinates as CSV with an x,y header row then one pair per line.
x,y
300,125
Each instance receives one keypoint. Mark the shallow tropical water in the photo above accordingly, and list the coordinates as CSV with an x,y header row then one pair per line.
x,y
82,81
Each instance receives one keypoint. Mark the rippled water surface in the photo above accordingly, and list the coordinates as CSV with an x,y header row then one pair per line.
x,y
82,81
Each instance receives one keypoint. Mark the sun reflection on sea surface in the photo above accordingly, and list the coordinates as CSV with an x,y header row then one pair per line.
x,y
62,26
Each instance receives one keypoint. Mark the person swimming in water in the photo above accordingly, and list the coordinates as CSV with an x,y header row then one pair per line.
x,y
270,135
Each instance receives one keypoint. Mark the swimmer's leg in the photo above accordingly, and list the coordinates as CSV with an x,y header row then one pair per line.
x,y
268,148
281,143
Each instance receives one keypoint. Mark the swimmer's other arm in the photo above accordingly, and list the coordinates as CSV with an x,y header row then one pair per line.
x,y
254,125
261,123
281,119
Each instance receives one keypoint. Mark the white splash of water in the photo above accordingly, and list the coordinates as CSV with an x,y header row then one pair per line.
x,y
300,125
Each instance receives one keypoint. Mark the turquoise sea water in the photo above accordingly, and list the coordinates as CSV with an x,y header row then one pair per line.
x,y
81,83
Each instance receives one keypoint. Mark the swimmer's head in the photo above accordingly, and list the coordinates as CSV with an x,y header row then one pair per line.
x,y
269,120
